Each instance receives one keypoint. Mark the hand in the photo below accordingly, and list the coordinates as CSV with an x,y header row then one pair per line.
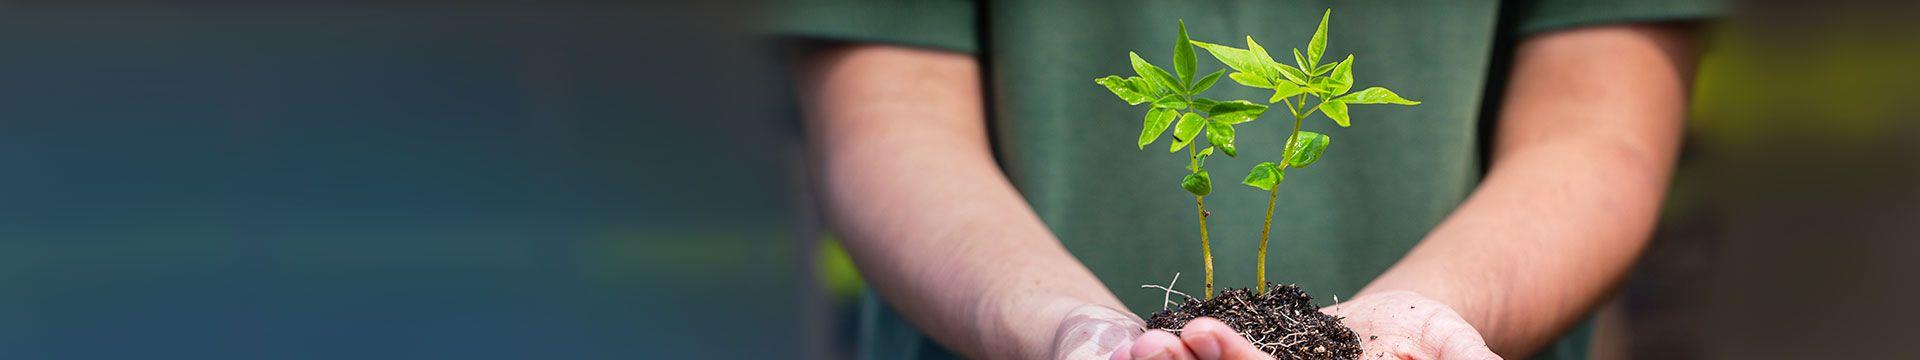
x,y
1405,325
1203,338
1391,325
1095,332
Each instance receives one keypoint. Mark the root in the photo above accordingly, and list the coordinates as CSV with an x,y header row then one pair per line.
x,y
1167,299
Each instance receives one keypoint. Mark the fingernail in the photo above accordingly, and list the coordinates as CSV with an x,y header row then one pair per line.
x,y
1158,354
1209,345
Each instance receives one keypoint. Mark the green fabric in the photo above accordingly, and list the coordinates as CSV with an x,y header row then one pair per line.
x,y
1068,144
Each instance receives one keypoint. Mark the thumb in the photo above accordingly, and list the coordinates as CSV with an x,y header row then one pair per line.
x,y
1211,339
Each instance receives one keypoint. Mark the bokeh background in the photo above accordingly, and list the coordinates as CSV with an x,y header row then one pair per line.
x,y
595,179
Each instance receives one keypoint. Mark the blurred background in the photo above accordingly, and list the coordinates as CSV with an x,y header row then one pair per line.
x,y
582,179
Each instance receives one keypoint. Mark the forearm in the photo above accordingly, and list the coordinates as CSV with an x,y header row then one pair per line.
x,y
1585,147
909,182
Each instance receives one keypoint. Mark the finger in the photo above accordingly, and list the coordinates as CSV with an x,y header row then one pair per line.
x,y
1476,352
1211,339
1467,346
1156,345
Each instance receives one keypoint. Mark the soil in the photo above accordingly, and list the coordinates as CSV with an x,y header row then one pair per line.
x,y
1283,322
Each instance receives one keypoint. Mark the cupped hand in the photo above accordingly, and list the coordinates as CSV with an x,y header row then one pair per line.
x,y
1405,325
1202,338
1095,332
1391,325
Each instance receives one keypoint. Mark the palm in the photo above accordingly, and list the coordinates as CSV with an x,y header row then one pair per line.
x,y
1405,325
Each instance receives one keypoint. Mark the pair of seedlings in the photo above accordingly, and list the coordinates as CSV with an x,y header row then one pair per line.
x,y
1176,104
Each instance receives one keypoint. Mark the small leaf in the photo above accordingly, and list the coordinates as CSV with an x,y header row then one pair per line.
x,y
1147,87
1285,90
1154,73
1204,154
1301,61
1376,95
1183,56
1122,88
1220,134
1318,45
1268,67
1198,183
1235,112
1207,82
1170,102
1304,149
1239,59
1204,105
1336,110
1184,131
1158,119
1342,78
1323,69
1249,79
1292,74
1265,176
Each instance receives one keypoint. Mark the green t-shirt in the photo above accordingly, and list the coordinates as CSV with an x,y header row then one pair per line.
x,y
1069,144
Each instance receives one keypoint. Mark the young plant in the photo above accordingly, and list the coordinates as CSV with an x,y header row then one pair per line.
x,y
1176,96
1327,83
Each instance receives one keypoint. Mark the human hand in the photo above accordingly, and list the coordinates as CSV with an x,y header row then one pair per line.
x,y
1391,325
1095,332
1203,338
1405,325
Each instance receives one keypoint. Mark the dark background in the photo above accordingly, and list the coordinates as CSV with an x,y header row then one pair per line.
x,y
336,179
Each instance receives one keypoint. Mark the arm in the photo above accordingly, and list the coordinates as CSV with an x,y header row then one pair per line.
x,y
1585,144
900,140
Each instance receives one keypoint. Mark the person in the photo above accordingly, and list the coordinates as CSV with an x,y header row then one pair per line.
x,y
994,198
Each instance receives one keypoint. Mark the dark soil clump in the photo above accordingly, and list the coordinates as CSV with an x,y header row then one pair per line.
x,y
1283,322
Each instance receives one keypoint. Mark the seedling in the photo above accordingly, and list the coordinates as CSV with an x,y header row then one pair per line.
x,y
1326,83
1177,96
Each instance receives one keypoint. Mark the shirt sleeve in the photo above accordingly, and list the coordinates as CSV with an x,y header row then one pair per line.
x,y
938,24
1537,16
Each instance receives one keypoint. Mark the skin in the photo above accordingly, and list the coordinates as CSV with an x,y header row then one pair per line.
x,y
963,257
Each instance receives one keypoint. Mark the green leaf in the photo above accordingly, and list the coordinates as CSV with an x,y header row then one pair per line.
x,y
1285,90
1265,176
1147,87
1207,82
1304,149
1249,79
1323,68
1122,88
1170,102
1158,119
1220,134
1292,74
1266,60
1376,95
1318,45
1204,104
1155,73
1184,131
1336,110
1342,78
1198,183
1239,59
1183,56
1235,112
1302,61
1199,159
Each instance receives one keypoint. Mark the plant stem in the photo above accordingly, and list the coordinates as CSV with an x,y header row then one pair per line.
x,y
1273,195
1206,249
1200,209
1260,277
